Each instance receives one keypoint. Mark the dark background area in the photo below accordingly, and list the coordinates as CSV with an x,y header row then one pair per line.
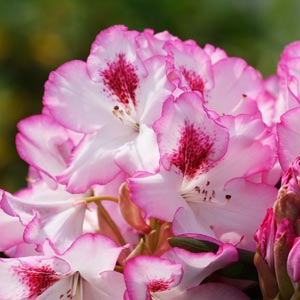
x,y
36,36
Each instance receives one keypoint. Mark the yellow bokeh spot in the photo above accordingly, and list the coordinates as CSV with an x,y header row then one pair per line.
x,y
47,48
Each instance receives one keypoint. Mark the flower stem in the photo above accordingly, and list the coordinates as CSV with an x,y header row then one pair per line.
x,y
102,212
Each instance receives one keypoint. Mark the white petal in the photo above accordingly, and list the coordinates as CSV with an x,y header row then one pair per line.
x,y
93,160
92,254
75,100
157,194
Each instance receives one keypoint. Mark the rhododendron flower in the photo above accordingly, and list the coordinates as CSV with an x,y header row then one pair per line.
x,y
177,275
61,217
228,85
45,203
150,168
66,275
114,99
47,214
200,172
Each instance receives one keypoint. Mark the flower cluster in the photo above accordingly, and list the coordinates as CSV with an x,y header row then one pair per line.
x,y
151,167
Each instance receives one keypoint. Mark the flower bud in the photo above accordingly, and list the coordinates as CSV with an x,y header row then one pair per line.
x,y
264,237
287,205
293,261
283,244
288,201
131,212
267,279
278,244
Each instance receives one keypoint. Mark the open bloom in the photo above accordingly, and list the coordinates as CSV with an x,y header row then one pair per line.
x,y
153,137
67,275
45,209
179,275
113,99
200,172
47,214
228,85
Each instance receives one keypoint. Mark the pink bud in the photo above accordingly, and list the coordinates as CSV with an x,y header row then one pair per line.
x,y
282,246
292,177
287,205
264,237
293,261
131,212
267,280
285,227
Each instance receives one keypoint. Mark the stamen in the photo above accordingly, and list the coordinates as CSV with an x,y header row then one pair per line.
x,y
126,117
199,193
239,104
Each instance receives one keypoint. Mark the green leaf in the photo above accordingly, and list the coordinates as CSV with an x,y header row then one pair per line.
x,y
193,245
2,255
245,256
241,271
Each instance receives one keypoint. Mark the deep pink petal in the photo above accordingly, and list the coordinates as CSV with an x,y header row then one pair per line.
x,y
293,262
264,237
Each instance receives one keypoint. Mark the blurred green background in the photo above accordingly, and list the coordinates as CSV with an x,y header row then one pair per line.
x,y
36,36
